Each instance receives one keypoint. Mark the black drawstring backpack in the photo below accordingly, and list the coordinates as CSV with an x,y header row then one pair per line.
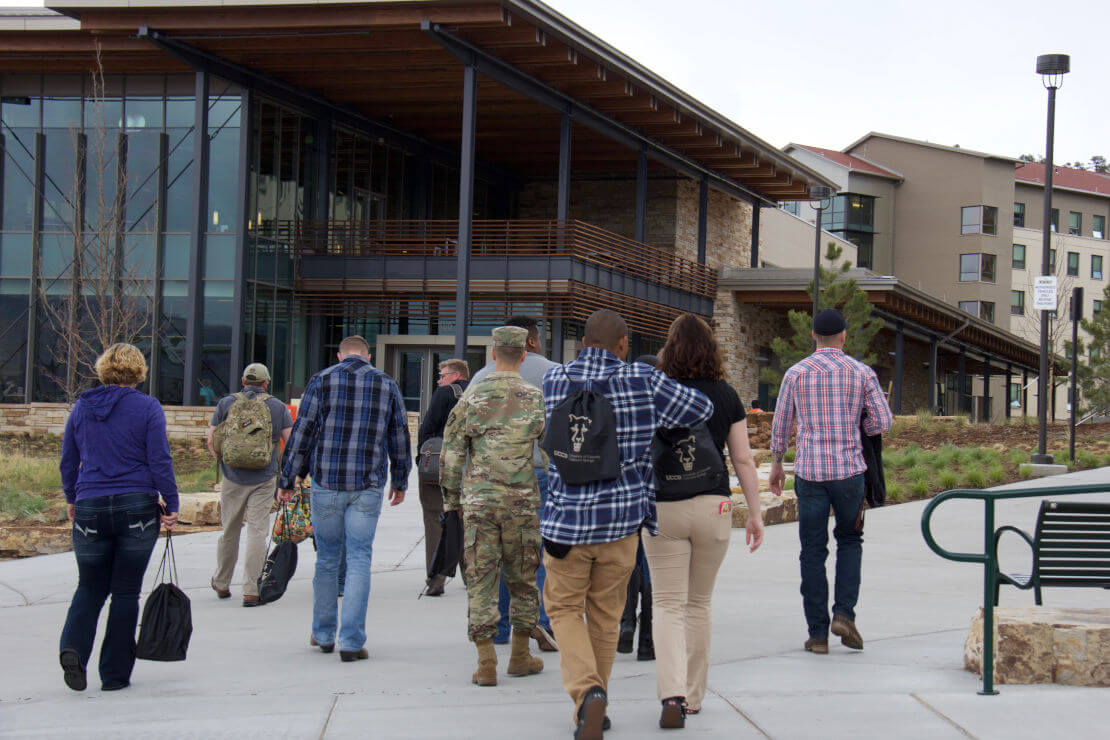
x,y
281,564
581,436
167,615
686,461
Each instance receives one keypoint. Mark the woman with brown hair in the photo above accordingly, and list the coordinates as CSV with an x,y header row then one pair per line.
x,y
694,529
115,463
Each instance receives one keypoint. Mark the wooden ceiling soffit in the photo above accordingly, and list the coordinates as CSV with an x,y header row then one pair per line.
x,y
73,42
286,18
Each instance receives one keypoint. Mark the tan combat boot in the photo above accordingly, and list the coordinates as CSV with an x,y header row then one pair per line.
x,y
521,662
486,675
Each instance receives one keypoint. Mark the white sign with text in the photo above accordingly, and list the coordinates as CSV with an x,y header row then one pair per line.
x,y
1044,293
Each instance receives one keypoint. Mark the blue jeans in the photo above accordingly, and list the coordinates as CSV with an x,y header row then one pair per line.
x,y
113,537
503,627
344,523
814,499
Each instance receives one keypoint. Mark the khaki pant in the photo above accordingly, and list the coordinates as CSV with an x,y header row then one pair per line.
x,y
684,559
239,502
591,581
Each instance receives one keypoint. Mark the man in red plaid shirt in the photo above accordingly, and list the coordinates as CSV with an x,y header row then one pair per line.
x,y
828,394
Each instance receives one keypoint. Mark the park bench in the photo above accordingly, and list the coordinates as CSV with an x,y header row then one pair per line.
x,y
1071,548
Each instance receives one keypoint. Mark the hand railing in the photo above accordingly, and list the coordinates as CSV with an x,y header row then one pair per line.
x,y
989,557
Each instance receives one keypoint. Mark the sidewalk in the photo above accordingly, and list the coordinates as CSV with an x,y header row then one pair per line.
x,y
251,673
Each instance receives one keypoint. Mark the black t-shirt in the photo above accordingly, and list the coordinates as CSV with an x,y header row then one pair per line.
x,y
727,410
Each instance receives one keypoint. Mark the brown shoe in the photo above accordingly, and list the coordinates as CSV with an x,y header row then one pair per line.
x,y
223,593
486,675
521,662
845,629
352,655
323,648
817,645
251,600
545,640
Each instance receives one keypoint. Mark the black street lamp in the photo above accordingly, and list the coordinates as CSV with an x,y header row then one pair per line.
x,y
823,195
1051,68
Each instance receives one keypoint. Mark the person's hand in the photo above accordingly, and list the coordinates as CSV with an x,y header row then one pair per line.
x,y
71,510
168,520
285,495
396,496
778,478
754,533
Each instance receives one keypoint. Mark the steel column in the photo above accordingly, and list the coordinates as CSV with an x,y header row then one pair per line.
x,y
159,266
36,270
899,353
933,375
961,383
557,340
757,207
641,196
986,415
466,206
1009,382
194,311
1024,392
562,206
239,286
322,206
703,218
1046,231
1073,392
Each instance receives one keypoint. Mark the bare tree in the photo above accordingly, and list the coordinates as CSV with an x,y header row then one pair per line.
x,y
108,301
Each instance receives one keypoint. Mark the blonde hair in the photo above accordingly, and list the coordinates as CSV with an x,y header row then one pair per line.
x,y
458,366
121,364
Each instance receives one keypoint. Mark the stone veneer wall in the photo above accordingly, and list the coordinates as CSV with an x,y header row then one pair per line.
x,y
182,422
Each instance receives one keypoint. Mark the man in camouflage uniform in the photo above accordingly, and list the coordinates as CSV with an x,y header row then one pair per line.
x,y
495,423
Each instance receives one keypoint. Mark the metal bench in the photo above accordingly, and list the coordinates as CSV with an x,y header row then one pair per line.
x,y
1071,548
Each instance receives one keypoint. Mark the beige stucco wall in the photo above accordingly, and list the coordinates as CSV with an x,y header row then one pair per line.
x,y
786,240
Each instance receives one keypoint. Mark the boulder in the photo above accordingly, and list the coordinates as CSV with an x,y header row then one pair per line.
x,y
1043,644
199,508
25,541
776,510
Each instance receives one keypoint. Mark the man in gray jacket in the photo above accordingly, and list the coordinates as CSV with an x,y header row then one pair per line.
x,y
532,371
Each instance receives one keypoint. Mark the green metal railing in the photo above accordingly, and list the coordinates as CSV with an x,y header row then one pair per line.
x,y
989,557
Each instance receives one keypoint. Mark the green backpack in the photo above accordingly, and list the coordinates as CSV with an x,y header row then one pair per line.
x,y
246,436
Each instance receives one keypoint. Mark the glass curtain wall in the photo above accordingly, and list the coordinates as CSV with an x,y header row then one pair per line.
x,y
97,185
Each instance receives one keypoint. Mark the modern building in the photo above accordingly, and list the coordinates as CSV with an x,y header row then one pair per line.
x,y
252,182
939,222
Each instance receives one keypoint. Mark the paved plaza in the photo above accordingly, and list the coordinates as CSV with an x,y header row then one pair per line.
x,y
251,672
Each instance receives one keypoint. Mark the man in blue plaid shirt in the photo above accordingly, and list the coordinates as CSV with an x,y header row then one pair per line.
x,y
590,530
352,431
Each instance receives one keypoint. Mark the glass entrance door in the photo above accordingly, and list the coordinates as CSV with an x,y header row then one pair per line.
x,y
416,370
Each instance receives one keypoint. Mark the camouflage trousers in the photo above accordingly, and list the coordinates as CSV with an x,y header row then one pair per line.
x,y
501,539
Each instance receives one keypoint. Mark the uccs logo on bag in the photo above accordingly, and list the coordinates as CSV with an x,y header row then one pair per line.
x,y
579,425
684,450
687,461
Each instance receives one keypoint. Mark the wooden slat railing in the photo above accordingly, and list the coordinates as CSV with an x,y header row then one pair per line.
x,y
516,238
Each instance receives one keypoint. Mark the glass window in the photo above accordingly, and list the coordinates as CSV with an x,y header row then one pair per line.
x,y
13,334
791,206
979,220
990,220
15,255
219,256
138,256
1073,264
1052,260
223,153
1015,394
176,258
864,249
1017,260
988,262
1055,220
60,188
179,180
18,111
18,171
1017,302
1096,309
1019,214
1098,227
1096,354
986,311
969,268
142,179
61,112
1096,267
972,307
1075,223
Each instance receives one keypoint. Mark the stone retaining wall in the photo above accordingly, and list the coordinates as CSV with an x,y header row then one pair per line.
x,y
182,422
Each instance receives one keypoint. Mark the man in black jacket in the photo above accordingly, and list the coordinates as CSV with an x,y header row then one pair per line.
x,y
453,377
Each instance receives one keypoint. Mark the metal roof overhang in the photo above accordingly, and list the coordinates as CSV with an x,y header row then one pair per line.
x,y
399,63
783,289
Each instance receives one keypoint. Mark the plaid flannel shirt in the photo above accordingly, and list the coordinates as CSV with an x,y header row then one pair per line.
x,y
826,394
643,400
351,423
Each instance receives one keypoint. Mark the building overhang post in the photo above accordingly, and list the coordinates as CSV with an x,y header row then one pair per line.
x,y
466,206
641,196
986,414
1009,381
899,354
239,287
194,311
703,218
562,205
757,207
933,374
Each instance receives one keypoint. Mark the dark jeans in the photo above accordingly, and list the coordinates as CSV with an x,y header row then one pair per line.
x,y
113,537
814,499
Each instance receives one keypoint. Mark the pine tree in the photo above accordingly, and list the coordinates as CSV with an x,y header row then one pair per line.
x,y
1095,377
837,291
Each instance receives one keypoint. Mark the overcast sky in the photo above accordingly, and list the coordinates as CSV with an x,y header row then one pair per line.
x,y
827,72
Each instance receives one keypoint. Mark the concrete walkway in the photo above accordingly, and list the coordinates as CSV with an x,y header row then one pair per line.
x,y
251,673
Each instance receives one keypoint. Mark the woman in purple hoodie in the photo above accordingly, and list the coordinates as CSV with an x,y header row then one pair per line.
x,y
115,462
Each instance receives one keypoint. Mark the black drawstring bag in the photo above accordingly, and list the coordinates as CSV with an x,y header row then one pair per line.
x,y
281,564
449,550
581,437
686,461
167,616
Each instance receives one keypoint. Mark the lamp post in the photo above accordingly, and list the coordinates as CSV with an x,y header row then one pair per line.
x,y
1051,68
821,194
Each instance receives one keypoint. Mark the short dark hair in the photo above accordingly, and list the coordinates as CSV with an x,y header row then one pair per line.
x,y
605,328
354,344
691,351
755,404
525,322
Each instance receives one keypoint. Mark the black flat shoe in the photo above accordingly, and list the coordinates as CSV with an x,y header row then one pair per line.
x,y
673,716
624,643
114,686
591,715
352,655
73,673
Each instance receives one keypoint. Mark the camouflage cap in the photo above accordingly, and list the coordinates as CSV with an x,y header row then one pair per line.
x,y
510,336
256,372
